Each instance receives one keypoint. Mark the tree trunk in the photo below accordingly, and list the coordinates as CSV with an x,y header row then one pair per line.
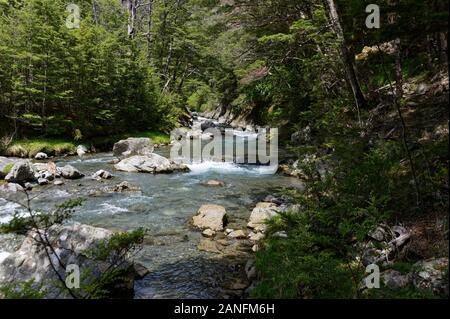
x,y
131,6
398,100
347,56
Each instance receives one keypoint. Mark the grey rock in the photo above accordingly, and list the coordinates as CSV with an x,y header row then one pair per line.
x,y
262,212
42,181
133,146
394,279
237,234
58,182
41,156
280,234
212,217
70,172
179,134
152,163
28,186
102,174
21,172
11,188
207,125
208,233
70,242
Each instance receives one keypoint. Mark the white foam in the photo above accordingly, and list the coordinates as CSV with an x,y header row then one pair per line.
x,y
231,168
113,209
7,210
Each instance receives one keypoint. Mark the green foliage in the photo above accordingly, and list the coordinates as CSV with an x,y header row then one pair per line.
x,y
58,80
7,168
119,245
50,146
22,290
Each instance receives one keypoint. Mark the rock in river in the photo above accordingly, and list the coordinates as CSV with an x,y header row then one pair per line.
x,y
212,217
213,183
21,172
41,156
260,214
133,146
152,163
102,174
70,172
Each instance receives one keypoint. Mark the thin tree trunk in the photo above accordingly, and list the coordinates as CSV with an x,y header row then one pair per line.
x,y
94,11
347,56
398,99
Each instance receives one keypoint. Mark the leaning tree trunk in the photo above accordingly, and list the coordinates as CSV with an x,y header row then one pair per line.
x,y
347,56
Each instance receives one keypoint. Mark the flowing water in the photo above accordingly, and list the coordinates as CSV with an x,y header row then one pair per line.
x,y
164,205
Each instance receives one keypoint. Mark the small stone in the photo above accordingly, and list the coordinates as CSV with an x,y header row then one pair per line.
x,y
238,286
28,186
208,233
140,271
58,183
280,234
256,236
255,248
228,230
214,183
102,174
42,181
237,234
41,156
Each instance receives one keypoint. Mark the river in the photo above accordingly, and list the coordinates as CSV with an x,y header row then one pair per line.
x,y
164,205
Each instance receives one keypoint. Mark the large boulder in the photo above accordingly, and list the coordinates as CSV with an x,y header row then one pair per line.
x,y
70,172
212,217
21,172
133,146
179,134
72,243
207,125
152,163
260,214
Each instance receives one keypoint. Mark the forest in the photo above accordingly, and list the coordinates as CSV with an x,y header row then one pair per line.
x,y
359,96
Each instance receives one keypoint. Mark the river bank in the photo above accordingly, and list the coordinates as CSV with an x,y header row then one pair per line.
x,y
30,147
